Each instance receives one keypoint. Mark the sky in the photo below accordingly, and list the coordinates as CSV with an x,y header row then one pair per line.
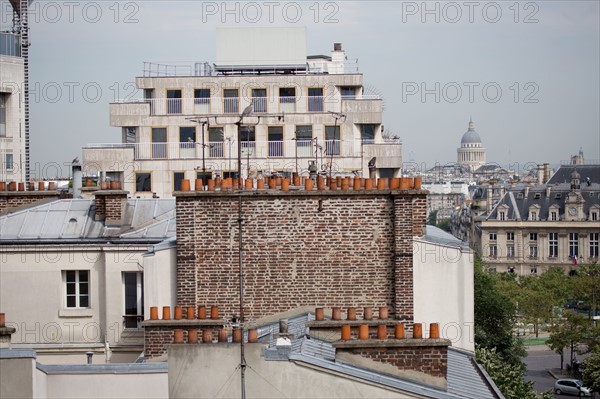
x,y
527,72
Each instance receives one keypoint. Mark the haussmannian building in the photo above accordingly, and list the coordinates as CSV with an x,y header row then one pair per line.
x,y
531,229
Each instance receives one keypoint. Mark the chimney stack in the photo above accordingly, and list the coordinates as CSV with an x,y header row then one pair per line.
x,y
540,174
5,332
77,176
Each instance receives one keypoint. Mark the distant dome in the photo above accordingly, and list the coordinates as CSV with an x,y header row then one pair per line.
x,y
471,136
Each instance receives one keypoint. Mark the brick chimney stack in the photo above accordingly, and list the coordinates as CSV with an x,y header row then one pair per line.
x,y
110,206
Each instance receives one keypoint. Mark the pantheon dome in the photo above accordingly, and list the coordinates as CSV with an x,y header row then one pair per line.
x,y
471,152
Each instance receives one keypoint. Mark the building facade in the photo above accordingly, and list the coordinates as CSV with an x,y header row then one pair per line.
x,y
531,229
275,116
12,109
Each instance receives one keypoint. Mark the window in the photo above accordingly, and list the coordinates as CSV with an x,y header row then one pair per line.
x,y
248,138
315,99
537,196
149,98
332,140
287,99
554,215
573,244
275,141
594,245
77,288
159,142
553,245
202,101
493,251
348,93
502,215
8,161
133,285
594,216
367,133
510,251
533,269
177,178
3,100
130,135
209,175
510,236
493,236
304,140
215,142
533,251
174,102
259,100
187,141
143,182
532,215
230,101
532,236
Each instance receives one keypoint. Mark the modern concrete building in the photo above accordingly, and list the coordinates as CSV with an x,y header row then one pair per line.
x,y
14,103
471,152
278,109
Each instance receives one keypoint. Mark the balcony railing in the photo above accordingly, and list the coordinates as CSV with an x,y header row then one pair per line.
x,y
234,105
253,149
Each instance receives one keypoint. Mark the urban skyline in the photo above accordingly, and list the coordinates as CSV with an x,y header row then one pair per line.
x,y
525,72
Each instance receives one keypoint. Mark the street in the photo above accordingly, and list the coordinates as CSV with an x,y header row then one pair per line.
x,y
540,358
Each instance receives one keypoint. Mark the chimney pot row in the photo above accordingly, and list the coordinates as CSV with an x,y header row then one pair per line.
x,y
399,332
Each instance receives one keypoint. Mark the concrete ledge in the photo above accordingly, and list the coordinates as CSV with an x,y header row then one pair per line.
x,y
184,323
390,343
298,192
53,193
6,353
109,192
352,323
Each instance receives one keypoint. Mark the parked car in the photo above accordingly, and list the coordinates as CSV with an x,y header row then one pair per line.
x,y
571,386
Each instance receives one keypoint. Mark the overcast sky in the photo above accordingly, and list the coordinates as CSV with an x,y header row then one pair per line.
x,y
527,72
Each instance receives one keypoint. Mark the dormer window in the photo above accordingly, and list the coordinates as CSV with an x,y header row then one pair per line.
x,y
553,215
534,212
537,196
501,215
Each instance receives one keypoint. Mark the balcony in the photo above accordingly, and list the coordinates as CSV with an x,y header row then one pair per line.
x,y
288,149
369,108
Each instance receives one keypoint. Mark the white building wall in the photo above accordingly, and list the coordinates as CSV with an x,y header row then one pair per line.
x,y
32,294
444,292
13,142
160,278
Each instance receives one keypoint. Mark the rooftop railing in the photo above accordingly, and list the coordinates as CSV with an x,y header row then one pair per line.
x,y
155,69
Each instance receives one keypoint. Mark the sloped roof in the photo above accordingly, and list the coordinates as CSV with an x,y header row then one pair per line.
x,y
563,174
465,379
517,201
73,219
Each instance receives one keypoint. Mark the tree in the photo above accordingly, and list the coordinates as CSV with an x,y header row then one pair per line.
x,y
495,315
537,296
508,378
587,285
591,372
571,331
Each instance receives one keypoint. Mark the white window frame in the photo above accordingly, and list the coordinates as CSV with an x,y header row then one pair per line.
x,y
139,295
78,295
594,245
553,245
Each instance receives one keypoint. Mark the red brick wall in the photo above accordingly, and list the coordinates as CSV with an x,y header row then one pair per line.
x,y
110,206
322,249
16,199
432,360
